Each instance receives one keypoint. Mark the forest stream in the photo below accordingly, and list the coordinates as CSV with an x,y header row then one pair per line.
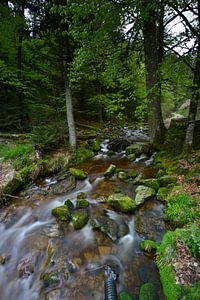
x,y
47,259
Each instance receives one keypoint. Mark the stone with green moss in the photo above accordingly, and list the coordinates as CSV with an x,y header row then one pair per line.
x,y
143,193
121,202
152,183
131,157
134,149
80,218
167,179
69,204
110,170
62,213
162,193
122,175
81,203
82,195
148,245
147,292
77,173
134,174
13,181
123,295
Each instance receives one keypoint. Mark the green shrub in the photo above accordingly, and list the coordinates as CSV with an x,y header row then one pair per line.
x,y
181,209
15,151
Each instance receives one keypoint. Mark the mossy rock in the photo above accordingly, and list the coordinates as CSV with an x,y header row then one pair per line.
x,y
160,173
152,183
134,174
14,181
81,203
110,170
148,246
82,195
134,149
131,157
62,213
77,173
143,193
69,204
123,295
80,218
162,194
121,202
147,292
167,179
122,175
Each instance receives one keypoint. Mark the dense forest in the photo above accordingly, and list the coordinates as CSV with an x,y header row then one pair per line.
x,y
111,87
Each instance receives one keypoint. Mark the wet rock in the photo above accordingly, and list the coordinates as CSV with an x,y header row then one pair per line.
x,y
134,149
77,173
167,179
162,194
81,203
147,292
80,218
121,202
110,171
69,204
52,295
51,279
64,186
62,213
82,195
143,193
52,230
122,175
118,145
131,157
3,259
25,268
106,225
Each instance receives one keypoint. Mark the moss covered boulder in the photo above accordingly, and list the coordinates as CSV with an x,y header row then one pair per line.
x,y
134,149
12,180
143,193
167,179
110,170
147,292
77,173
81,203
69,204
80,218
62,213
121,202
122,175
162,193
152,183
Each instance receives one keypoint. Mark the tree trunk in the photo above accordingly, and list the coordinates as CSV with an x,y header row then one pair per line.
x,y
151,50
189,137
70,115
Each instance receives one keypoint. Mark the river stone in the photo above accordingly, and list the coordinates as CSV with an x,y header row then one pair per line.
x,y
106,225
64,186
131,157
11,181
80,218
143,193
122,175
62,213
121,202
77,173
134,149
110,170
81,203
69,204
152,183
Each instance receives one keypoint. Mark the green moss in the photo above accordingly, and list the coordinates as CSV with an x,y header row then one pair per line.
x,y
69,204
82,203
96,145
121,202
181,209
123,295
83,152
62,213
110,170
147,292
152,183
166,180
171,290
162,193
80,218
77,173
134,174
148,245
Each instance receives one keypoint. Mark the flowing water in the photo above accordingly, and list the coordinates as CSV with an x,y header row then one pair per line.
x,y
44,259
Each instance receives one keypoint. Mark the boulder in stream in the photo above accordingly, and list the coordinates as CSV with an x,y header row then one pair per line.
x,y
10,181
143,193
121,202
134,149
80,218
64,186
77,173
62,213
110,170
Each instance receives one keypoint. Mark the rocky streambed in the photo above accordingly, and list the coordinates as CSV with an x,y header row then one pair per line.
x,y
109,211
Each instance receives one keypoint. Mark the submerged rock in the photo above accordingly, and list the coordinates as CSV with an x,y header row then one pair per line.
x,y
77,173
62,213
121,202
143,193
80,218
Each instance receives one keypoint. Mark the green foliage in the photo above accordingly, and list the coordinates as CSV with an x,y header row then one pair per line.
x,y
148,245
17,151
181,209
83,152
147,292
172,291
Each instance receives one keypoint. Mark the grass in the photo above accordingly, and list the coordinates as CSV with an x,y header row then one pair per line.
x,y
11,152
